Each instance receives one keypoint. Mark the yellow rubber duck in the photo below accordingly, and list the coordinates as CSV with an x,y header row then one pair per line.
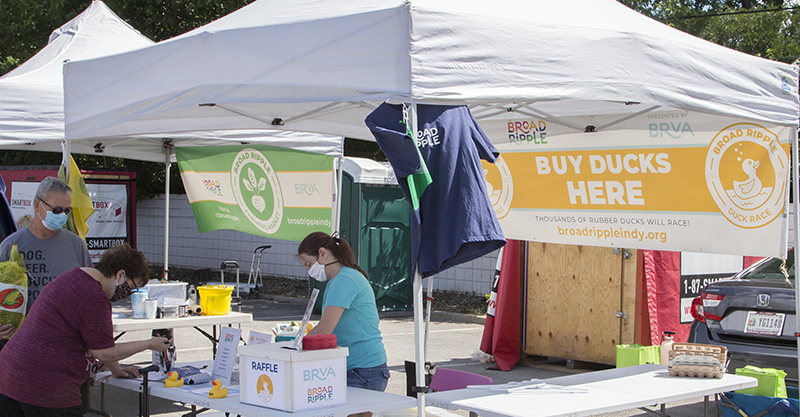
x,y
218,391
173,381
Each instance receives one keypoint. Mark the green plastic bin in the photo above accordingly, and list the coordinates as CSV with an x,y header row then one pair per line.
x,y
630,355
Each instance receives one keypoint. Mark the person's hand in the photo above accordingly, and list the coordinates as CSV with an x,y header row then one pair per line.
x,y
159,344
125,372
6,331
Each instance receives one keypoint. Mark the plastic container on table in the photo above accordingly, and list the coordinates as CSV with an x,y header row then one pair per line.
x,y
215,300
168,293
137,304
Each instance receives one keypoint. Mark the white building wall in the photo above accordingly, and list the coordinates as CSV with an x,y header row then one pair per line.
x,y
188,248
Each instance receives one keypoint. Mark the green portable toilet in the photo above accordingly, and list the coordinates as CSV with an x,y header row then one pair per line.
x,y
375,220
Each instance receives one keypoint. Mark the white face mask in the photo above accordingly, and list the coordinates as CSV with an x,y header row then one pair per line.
x,y
317,272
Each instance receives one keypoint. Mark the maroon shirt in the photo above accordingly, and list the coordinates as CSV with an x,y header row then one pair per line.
x,y
48,358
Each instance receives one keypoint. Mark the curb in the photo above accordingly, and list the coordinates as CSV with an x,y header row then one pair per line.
x,y
435,315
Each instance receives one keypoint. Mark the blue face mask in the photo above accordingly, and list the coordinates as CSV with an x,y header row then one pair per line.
x,y
54,221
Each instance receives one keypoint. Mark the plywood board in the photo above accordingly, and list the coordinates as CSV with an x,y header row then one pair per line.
x,y
573,295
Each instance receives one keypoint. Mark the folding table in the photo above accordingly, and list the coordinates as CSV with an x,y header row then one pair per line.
x,y
597,392
358,400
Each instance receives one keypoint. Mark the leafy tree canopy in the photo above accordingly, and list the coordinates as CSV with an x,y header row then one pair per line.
x,y
765,28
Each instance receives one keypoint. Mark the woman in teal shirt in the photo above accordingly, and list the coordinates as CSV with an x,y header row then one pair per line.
x,y
348,308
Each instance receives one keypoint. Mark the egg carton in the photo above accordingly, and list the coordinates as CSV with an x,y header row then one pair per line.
x,y
697,349
696,366
697,360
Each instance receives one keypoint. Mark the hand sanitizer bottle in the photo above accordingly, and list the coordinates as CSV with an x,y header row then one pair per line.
x,y
666,347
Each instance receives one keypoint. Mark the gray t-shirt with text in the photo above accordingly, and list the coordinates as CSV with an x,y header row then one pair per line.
x,y
46,258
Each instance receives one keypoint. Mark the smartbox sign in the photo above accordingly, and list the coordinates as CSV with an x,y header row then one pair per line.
x,y
258,189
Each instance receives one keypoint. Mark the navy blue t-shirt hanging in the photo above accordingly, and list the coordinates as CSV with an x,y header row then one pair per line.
x,y
455,222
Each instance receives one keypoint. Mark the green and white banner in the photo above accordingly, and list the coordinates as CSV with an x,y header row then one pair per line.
x,y
258,189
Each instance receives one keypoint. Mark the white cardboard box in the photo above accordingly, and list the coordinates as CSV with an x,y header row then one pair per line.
x,y
284,379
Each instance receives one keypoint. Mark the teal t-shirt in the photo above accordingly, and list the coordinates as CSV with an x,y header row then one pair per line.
x,y
357,329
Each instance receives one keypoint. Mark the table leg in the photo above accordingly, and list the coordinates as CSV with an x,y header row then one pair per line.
x,y
102,410
662,413
213,338
195,411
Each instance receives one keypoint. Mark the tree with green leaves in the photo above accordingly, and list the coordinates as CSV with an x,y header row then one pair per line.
x,y
765,28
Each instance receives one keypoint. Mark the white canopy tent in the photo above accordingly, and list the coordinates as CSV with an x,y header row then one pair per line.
x,y
32,98
322,66
32,102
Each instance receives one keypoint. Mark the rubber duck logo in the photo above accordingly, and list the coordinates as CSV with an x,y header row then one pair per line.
x,y
257,190
264,388
746,174
499,186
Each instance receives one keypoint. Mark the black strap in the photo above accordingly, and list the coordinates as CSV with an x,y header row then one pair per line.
x,y
423,390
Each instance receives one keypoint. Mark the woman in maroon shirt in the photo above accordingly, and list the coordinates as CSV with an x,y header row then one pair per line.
x,y
67,330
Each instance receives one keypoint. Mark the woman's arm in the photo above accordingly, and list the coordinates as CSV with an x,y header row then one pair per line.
x,y
330,317
125,349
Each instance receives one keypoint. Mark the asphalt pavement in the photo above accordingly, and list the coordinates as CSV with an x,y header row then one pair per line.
x,y
453,343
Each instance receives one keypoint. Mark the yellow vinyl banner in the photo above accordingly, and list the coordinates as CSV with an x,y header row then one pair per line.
x,y
702,184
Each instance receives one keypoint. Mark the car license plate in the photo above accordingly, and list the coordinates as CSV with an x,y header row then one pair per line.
x,y
759,322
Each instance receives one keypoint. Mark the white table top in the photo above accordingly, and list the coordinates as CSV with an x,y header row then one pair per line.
x,y
130,324
358,400
607,391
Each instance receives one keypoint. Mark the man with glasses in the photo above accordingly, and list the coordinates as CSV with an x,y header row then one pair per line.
x,y
48,248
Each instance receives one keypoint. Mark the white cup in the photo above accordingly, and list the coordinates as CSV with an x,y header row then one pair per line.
x,y
150,305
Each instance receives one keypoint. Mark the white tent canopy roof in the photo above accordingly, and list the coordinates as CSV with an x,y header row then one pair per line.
x,y
32,99
322,66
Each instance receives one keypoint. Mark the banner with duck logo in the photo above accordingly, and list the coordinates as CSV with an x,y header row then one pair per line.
x,y
670,180
258,189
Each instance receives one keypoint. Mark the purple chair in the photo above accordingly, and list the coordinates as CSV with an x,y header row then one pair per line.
x,y
449,379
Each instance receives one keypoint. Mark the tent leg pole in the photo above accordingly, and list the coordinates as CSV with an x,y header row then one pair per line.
x,y
796,193
167,165
418,342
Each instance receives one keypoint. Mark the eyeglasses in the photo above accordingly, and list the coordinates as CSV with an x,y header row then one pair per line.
x,y
135,285
142,283
57,210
